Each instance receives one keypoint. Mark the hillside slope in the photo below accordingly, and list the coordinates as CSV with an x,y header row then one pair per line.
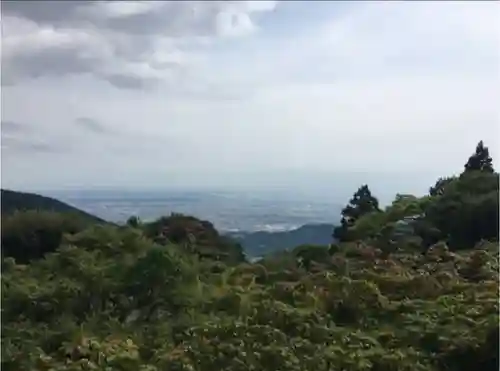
x,y
12,201
262,243
173,295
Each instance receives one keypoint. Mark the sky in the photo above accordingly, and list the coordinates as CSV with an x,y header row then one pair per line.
x,y
246,94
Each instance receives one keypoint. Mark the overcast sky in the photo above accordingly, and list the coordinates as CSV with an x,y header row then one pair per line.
x,y
238,94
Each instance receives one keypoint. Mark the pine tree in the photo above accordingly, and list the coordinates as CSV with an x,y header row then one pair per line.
x,y
439,187
480,160
361,203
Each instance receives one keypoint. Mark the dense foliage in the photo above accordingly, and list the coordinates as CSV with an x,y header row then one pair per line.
x,y
198,236
460,210
31,234
174,295
33,225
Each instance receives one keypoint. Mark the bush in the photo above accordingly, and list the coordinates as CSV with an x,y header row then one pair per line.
x,y
307,254
29,235
196,236
467,210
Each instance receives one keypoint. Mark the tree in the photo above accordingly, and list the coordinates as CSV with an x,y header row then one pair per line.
x,y
466,213
385,239
361,203
29,235
134,221
403,211
198,236
309,253
439,187
480,160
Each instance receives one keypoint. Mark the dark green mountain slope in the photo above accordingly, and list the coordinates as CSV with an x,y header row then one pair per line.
x,y
34,225
12,201
263,243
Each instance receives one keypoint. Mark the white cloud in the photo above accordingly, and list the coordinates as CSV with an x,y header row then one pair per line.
x,y
215,88
121,9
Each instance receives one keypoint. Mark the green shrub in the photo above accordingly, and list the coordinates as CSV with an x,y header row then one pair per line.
x,y
29,235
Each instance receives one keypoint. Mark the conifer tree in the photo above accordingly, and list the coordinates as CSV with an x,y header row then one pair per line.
x,y
361,203
480,160
439,187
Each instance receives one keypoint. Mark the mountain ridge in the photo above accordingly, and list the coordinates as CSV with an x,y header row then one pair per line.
x,y
259,243
255,243
12,201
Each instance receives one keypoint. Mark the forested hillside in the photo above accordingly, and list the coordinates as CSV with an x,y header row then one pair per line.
x,y
33,225
257,244
12,201
410,287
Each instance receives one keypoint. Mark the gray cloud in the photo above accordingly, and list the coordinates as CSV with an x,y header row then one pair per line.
x,y
130,44
23,138
116,141
123,81
172,18
25,142
13,127
95,136
50,12
17,145
53,62
92,125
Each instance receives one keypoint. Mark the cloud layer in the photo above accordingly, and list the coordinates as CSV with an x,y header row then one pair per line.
x,y
130,44
224,93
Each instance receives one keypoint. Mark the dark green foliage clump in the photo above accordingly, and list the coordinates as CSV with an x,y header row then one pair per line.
x,y
34,225
467,211
197,236
480,160
32,234
461,210
361,203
